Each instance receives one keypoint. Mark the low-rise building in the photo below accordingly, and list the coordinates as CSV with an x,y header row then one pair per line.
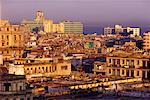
x,y
127,64
13,87
38,67
117,29
47,69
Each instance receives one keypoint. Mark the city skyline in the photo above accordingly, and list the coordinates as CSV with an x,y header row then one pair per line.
x,y
100,12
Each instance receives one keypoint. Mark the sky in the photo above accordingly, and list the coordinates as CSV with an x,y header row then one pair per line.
x,y
93,13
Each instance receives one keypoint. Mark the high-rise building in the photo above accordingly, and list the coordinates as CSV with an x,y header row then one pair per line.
x,y
72,27
146,40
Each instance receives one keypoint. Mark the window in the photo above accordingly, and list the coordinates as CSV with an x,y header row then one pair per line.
x,y
2,36
110,71
7,37
19,37
43,69
7,86
39,70
122,72
7,43
122,61
35,70
50,69
46,69
118,61
63,67
3,44
109,60
15,29
138,62
137,73
15,38
7,29
21,88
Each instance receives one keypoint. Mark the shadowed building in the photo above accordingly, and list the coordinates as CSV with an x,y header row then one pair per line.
x,y
13,87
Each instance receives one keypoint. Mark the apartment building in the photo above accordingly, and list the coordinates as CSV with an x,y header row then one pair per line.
x,y
117,29
13,87
11,40
146,40
124,64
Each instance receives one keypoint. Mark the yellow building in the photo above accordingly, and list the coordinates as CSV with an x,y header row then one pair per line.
x,y
146,40
124,64
11,40
48,26
47,69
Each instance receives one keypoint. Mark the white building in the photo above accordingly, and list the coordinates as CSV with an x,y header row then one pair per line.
x,y
134,30
108,31
120,29
16,69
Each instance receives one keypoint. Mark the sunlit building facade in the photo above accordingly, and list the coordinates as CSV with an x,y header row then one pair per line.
x,y
146,40
72,27
11,40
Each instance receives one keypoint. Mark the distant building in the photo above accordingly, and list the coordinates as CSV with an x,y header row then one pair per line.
x,y
117,29
72,27
135,31
37,23
108,31
40,23
146,40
